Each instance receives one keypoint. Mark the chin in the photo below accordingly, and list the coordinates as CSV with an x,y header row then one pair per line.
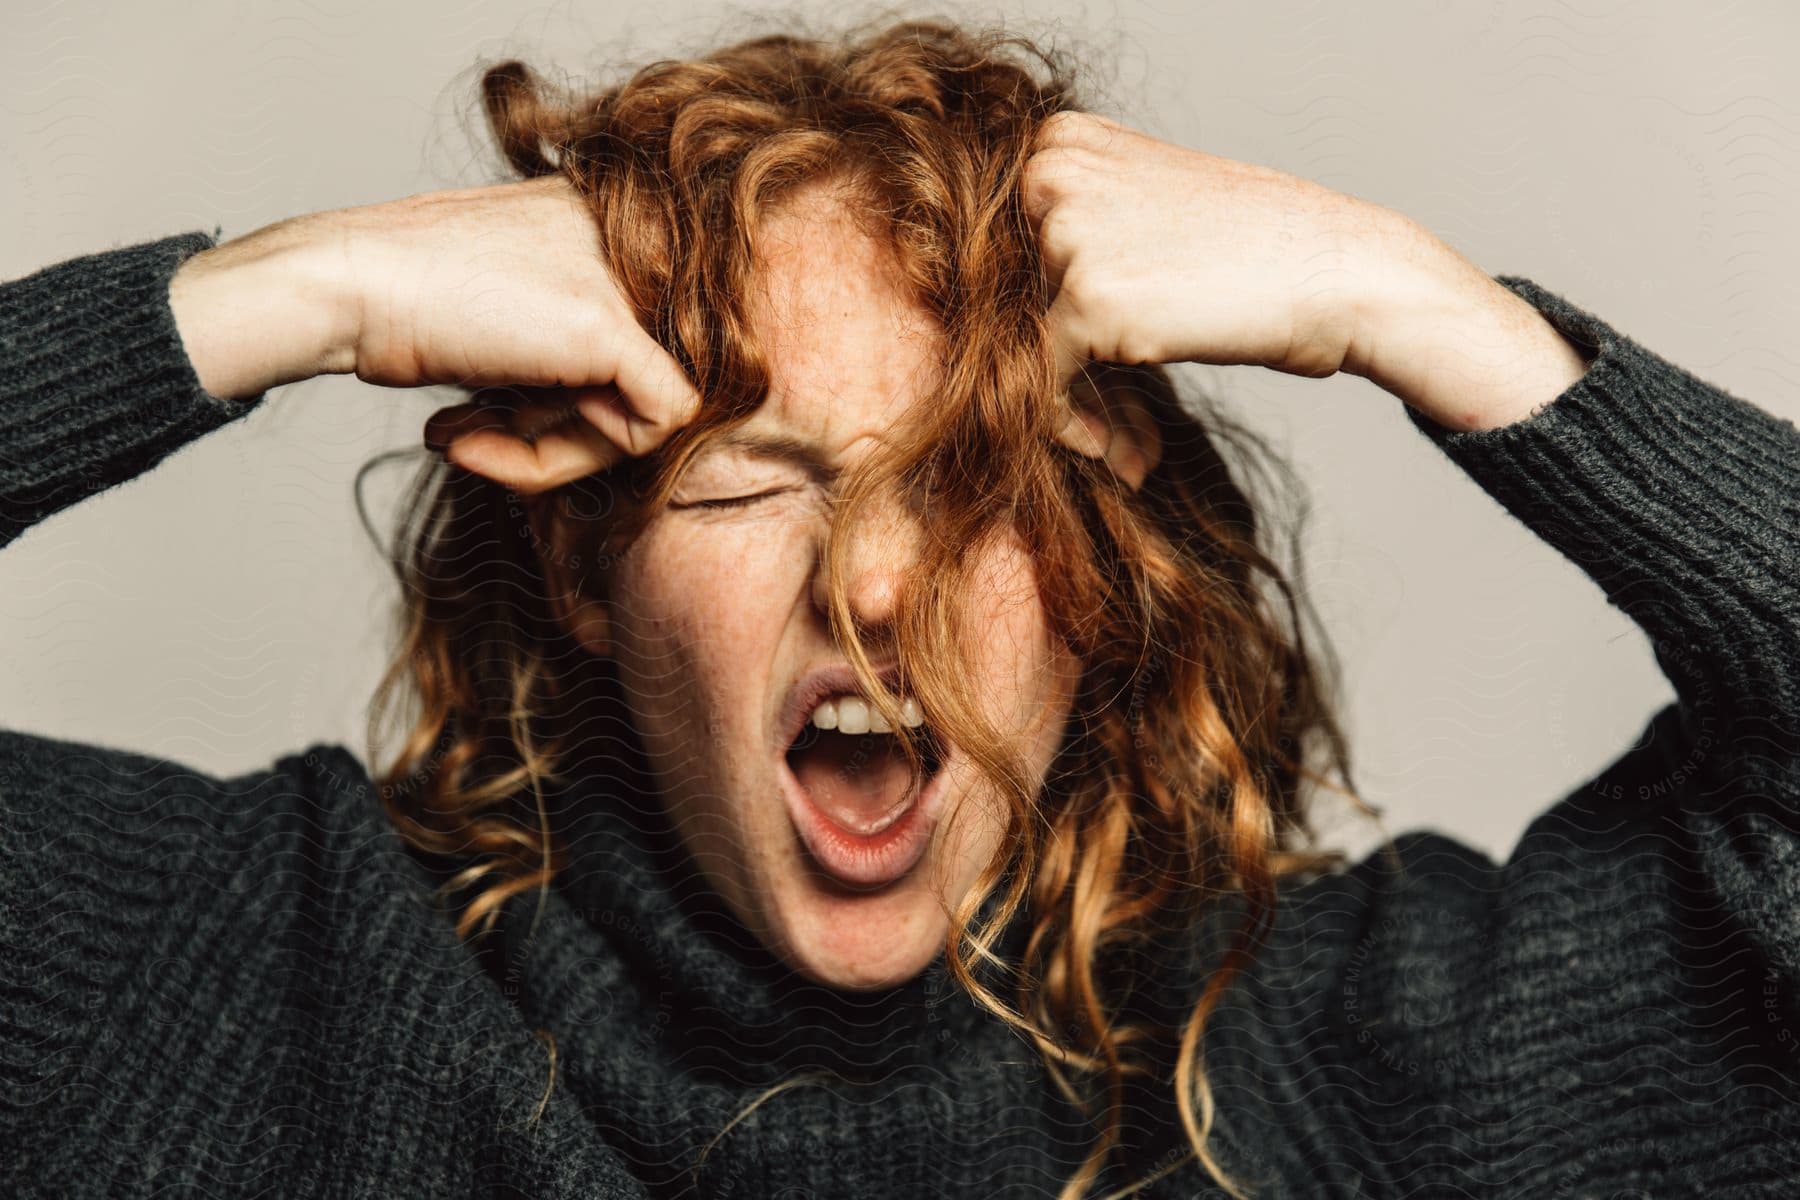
x,y
862,942
857,938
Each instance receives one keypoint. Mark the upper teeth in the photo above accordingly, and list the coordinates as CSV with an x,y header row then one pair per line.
x,y
852,714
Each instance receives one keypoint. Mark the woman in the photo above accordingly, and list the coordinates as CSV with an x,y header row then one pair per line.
x,y
851,747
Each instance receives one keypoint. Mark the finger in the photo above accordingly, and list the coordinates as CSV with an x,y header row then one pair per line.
x,y
1043,186
1082,430
524,411
1136,448
549,460
537,412
1116,426
1070,363
1072,128
658,397
607,411
447,424
1065,145
531,439
1067,337
1038,190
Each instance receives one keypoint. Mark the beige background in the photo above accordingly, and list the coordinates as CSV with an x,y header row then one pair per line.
x,y
1640,159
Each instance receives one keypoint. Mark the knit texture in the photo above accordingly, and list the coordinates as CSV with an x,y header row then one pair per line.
x,y
243,986
98,386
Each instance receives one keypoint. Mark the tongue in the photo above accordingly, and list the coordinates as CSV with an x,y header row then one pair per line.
x,y
859,782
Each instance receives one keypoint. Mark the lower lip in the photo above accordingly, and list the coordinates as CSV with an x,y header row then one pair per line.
x,y
860,861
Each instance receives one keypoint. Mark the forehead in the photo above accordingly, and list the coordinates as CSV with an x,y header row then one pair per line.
x,y
849,351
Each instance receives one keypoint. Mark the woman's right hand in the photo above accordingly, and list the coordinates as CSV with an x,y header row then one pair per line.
x,y
494,287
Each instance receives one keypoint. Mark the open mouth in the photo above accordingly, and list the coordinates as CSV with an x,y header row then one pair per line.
x,y
861,780
864,815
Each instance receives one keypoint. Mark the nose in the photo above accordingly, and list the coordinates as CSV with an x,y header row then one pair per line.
x,y
879,549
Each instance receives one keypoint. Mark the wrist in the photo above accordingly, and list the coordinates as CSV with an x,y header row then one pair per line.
x,y
1451,341
268,308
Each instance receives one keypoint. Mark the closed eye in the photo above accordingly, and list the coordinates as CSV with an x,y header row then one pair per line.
x,y
731,501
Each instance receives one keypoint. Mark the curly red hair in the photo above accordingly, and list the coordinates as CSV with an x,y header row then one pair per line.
x,y
1201,706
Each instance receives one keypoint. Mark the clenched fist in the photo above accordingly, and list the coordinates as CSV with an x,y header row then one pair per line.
x,y
498,286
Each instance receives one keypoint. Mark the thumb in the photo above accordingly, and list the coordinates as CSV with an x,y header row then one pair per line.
x,y
1068,336
1079,430
659,397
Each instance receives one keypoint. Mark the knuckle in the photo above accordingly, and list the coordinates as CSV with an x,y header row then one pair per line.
x,y
595,326
1052,169
1135,348
1083,287
640,438
1060,231
1106,290
1071,125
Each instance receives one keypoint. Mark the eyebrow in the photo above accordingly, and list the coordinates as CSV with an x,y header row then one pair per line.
x,y
780,448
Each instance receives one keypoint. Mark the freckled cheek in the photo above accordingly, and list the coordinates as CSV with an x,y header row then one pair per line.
x,y
1028,671
702,612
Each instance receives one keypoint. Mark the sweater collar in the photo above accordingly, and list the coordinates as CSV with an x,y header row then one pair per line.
x,y
630,920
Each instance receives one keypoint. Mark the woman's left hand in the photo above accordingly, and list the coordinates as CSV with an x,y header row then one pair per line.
x,y
1165,254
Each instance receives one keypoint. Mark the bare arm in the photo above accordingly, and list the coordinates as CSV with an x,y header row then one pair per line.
x,y
269,308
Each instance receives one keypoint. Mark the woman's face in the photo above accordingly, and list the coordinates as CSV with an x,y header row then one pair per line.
x,y
717,621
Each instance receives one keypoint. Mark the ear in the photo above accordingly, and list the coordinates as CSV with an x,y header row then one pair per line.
x,y
584,618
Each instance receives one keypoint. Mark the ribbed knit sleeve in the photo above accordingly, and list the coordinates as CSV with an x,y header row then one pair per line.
x,y
1682,502
224,987
1615,1007
96,385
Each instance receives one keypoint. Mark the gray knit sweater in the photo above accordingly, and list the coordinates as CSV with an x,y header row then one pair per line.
x,y
243,986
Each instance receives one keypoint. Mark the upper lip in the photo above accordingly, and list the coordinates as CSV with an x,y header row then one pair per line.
x,y
821,684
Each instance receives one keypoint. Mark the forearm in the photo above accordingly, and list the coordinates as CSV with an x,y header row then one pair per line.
x,y
1451,341
265,309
